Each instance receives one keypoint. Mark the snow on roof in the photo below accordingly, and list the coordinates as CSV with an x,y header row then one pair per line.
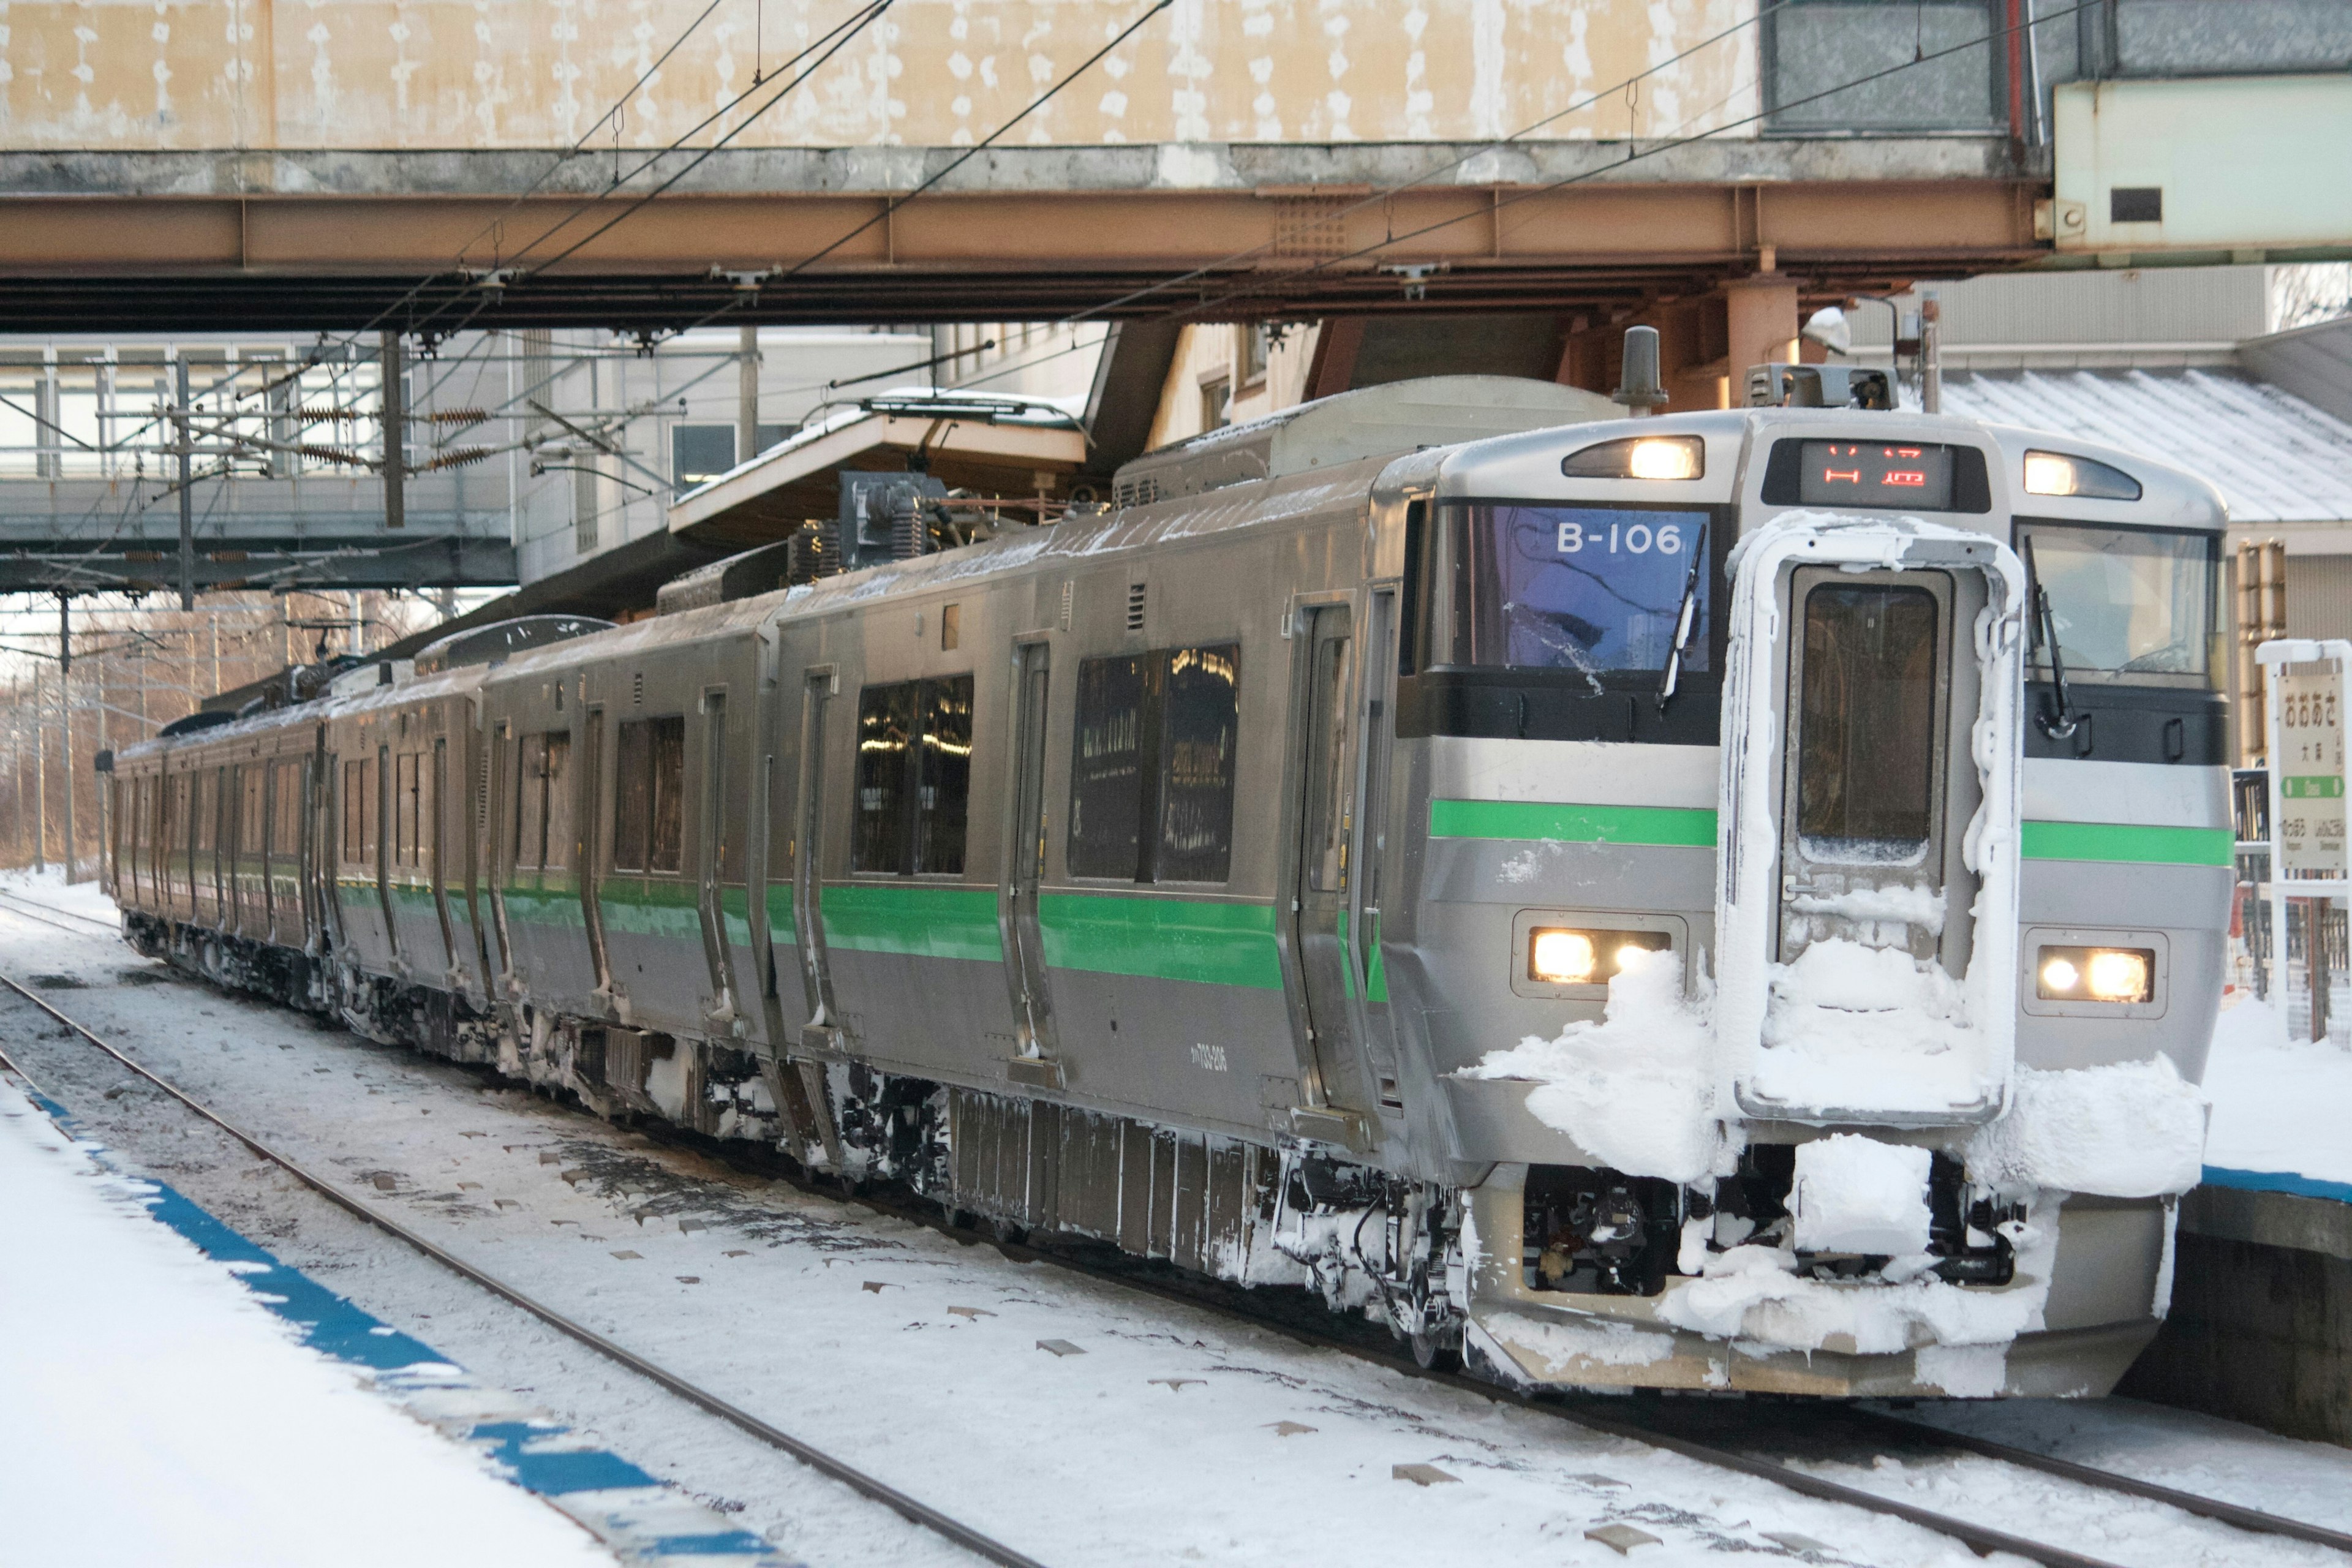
x,y
2275,457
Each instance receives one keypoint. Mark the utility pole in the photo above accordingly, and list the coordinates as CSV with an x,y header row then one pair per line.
x,y
187,500
64,722
395,435
40,780
747,394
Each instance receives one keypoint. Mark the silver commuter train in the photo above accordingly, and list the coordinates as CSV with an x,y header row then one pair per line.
x,y
1182,877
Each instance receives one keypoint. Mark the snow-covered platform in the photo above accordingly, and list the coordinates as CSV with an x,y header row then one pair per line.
x,y
172,1395
2261,1327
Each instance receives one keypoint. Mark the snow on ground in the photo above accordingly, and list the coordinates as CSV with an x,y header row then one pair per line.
x,y
156,1413
1172,1434
2280,1106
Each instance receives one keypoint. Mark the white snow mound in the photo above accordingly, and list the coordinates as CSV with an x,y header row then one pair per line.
x,y
2135,1130
1634,1089
1856,1194
1854,1025
1753,1294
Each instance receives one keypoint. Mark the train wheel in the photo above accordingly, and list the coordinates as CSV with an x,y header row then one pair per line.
x,y
1433,1353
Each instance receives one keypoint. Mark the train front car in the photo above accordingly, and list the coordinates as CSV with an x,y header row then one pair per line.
x,y
1815,825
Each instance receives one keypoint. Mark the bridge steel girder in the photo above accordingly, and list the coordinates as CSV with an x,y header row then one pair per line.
x,y
130,249
429,561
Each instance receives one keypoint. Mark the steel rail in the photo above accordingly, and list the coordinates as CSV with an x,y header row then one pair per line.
x,y
815,1459
2187,1502
10,899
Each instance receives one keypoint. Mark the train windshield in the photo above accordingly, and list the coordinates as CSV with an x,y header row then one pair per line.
x,y
1591,589
2132,606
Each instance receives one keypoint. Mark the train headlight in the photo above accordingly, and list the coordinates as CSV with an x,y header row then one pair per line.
x,y
2057,474
1561,957
2120,977
1558,956
1643,457
2121,974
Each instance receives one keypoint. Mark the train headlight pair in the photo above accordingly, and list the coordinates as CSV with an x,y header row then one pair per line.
x,y
2123,974
1562,956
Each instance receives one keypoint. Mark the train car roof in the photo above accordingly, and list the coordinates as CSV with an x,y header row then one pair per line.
x,y
318,710
1253,504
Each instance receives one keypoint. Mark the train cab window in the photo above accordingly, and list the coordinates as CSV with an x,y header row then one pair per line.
x,y
2131,606
649,795
914,778
543,802
1152,791
1588,591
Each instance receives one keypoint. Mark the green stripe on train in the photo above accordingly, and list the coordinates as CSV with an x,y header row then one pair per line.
x,y
1681,828
642,906
2130,842
1161,938
924,920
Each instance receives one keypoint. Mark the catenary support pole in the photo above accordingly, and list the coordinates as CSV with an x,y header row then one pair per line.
x,y
395,435
65,724
187,498
747,394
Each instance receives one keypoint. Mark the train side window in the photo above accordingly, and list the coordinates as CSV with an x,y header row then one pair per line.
x,y
404,809
286,837
943,776
914,778
649,785
1107,768
1419,546
530,802
250,838
886,723
358,811
633,787
1151,790
1201,711
555,777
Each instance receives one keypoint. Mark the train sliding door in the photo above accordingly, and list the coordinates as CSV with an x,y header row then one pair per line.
x,y
1025,854
1328,1013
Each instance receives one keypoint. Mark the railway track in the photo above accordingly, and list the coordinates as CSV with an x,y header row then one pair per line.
x,y
973,1541
81,924
1655,1427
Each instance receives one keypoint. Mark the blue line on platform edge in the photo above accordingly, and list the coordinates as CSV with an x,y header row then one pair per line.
x,y
340,1331
2277,1182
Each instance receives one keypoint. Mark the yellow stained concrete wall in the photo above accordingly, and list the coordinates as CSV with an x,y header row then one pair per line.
x,y
140,75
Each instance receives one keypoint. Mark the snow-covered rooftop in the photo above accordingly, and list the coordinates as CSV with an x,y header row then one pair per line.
x,y
2275,457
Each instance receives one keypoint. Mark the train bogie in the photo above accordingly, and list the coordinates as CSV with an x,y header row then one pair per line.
x,y
1524,890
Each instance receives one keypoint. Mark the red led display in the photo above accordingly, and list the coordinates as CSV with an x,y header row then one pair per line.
x,y
1872,474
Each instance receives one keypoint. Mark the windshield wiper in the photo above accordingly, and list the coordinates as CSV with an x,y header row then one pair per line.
x,y
1685,618
2063,723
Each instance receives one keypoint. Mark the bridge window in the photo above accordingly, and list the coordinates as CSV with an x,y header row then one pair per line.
x,y
649,796
914,778
1152,770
